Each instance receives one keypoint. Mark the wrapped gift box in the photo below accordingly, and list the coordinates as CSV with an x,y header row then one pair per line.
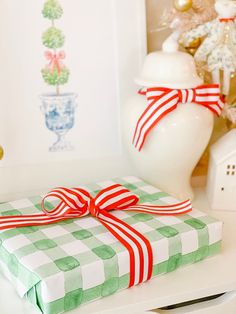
x,y
59,267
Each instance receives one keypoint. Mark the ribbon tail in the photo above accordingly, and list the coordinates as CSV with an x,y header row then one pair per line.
x,y
209,96
142,91
55,64
9,222
166,210
139,248
50,66
58,66
157,109
221,104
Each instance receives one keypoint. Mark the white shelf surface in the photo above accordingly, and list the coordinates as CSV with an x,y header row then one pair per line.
x,y
210,277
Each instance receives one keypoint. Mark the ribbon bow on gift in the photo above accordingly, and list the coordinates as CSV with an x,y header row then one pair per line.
x,y
55,60
77,203
162,101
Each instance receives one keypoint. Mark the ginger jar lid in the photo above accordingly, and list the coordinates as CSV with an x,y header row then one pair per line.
x,y
169,68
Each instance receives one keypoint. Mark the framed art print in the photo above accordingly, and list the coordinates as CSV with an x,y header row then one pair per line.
x,y
67,67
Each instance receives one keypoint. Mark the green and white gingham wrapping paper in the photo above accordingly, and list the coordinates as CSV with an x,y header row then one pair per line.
x,y
59,267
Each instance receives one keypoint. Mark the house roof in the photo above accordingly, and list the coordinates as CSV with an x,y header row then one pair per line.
x,y
225,148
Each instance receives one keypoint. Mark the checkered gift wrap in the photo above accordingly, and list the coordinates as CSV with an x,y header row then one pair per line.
x,y
59,267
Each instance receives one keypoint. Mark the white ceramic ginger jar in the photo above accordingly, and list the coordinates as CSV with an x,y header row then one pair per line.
x,y
175,145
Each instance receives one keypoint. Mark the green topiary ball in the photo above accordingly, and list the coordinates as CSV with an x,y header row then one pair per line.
x,y
54,78
52,10
53,38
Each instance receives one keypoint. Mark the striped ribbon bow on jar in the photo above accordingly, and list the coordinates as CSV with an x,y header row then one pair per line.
x,y
161,101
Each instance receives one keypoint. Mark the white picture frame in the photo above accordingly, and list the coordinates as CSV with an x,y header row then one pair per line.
x,y
21,176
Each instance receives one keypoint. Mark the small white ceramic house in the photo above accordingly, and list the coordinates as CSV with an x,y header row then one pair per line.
x,y
221,185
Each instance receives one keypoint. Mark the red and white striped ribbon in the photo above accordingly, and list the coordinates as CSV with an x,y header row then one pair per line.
x,y
77,203
227,20
162,101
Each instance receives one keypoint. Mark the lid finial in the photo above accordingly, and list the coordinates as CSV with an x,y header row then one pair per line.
x,y
171,44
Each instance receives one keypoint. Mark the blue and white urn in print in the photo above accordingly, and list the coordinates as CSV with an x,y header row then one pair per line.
x,y
59,112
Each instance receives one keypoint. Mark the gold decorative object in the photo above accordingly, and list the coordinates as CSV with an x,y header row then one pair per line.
x,y
1,152
230,125
183,5
195,43
192,51
192,47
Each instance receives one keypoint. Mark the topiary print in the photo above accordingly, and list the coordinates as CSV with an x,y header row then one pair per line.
x,y
55,73
52,10
53,38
